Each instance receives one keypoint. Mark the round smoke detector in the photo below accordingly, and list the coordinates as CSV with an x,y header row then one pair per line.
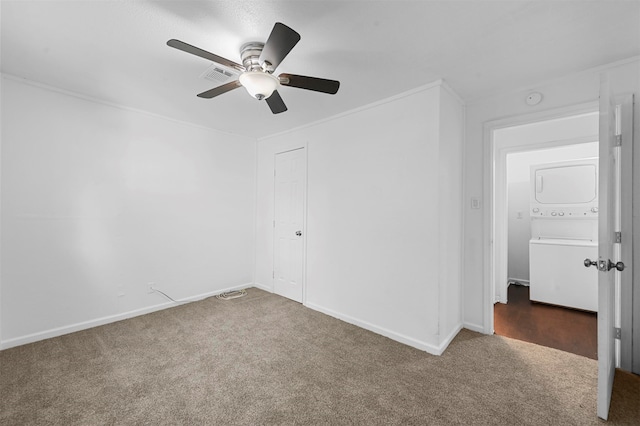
x,y
534,98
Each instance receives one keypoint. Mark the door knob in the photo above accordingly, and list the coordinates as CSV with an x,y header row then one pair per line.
x,y
604,265
298,233
618,266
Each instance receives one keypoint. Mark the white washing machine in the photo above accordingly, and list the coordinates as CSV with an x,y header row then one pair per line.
x,y
564,232
558,276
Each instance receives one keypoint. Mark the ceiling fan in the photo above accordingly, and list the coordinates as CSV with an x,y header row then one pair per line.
x,y
259,61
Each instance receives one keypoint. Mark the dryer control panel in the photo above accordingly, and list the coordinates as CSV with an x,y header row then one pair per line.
x,y
564,212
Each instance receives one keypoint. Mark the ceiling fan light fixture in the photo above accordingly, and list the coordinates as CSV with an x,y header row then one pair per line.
x,y
259,62
259,84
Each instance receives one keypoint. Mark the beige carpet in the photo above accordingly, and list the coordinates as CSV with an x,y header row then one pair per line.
x,y
263,359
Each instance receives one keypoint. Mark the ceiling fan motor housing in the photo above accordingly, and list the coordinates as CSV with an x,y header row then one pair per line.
x,y
250,54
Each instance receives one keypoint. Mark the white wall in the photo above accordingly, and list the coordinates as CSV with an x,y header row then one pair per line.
x,y
561,93
518,190
98,201
384,184
519,233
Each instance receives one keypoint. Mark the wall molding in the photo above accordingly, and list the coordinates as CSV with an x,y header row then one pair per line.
x,y
452,92
423,88
263,287
410,341
519,281
444,344
474,327
84,325
100,101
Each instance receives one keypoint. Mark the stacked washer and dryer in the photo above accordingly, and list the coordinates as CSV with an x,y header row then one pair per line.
x,y
564,232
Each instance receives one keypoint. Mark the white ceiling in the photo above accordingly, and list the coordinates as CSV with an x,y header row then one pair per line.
x,y
116,50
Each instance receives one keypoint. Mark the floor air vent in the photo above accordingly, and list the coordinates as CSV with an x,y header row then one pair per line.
x,y
232,294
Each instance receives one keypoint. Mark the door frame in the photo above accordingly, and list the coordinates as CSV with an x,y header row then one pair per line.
x,y
625,357
304,149
495,237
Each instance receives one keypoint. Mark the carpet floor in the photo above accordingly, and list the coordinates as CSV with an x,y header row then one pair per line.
x,y
263,359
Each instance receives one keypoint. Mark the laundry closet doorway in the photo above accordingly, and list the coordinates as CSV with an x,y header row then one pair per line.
x,y
561,140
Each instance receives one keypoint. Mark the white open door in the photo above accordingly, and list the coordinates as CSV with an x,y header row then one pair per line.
x,y
608,249
288,262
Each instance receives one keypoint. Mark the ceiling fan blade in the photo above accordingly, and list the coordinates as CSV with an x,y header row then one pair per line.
x,y
276,103
310,83
216,91
185,47
279,44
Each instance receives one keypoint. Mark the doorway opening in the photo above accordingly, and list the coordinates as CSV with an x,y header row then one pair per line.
x,y
544,238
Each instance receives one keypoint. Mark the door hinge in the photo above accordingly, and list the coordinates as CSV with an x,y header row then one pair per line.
x,y
618,237
617,141
273,274
274,223
617,333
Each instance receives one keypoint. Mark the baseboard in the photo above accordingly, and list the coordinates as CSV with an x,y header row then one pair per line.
x,y
59,331
263,287
518,281
410,341
474,327
447,341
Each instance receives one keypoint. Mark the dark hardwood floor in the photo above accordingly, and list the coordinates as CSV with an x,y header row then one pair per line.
x,y
566,329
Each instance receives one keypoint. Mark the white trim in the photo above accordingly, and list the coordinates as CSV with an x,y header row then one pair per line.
x,y
359,109
487,230
519,281
410,341
59,331
625,314
546,115
305,216
263,287
452,92
491,155
114,105
473,327
464,207
444,344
